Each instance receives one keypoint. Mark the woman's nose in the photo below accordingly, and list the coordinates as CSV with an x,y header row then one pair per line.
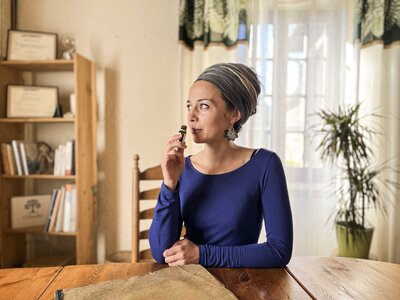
x,y
192,115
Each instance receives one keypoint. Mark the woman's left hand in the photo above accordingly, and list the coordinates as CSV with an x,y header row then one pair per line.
x,y
182,252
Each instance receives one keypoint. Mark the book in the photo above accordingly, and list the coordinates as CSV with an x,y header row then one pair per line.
x,y
60,215
73,157
50,210
54,213
68,158
67,208
4,159
11,162
73,216
63,151
28,211
23,159
17,156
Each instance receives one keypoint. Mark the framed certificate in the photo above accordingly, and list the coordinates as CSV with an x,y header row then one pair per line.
x,y
25,101
31,45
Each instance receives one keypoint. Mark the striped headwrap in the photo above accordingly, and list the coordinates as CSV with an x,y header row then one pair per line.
x,y
239,86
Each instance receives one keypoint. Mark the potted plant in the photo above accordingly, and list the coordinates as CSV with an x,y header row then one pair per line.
x,y
360,185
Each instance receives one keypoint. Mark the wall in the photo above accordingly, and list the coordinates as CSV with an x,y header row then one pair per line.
x,y
134,43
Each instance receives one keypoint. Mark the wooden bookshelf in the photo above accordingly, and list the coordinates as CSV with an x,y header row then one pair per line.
x,y
13,249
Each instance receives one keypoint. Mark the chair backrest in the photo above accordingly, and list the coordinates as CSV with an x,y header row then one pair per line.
x,y
141,195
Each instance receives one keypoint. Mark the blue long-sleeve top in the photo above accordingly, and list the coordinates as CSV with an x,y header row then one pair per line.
x,y
223,215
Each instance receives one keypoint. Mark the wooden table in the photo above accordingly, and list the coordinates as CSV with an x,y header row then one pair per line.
x,y
304,278
346,278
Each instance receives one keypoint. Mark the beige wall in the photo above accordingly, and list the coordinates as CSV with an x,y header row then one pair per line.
x,y
134,43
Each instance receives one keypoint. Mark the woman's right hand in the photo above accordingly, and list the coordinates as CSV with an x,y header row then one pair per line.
x,y
173,161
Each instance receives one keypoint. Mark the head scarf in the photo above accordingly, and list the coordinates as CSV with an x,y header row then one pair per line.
x,y
239,86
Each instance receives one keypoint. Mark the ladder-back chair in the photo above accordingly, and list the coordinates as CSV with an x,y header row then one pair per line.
x,y
139,194
150,177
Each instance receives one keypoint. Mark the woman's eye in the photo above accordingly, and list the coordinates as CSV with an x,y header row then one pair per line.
x,y
189,107
204,106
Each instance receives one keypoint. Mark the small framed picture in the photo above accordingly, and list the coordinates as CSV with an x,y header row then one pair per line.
x,y
25,101
27,211
31,45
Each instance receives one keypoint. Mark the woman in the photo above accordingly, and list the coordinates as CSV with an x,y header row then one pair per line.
x,y
223,192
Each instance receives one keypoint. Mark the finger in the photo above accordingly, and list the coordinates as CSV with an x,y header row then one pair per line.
x,y
179,242
170,252
175,137
179,262
173,258
175,142
175,146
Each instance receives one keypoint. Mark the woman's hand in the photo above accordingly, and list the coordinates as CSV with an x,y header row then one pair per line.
x,y
183,252
173,161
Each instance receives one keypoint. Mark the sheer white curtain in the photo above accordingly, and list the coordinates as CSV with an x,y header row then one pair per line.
x,y
299,50
380,89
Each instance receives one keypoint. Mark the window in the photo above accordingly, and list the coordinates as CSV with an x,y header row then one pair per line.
x,y
292,57
298,50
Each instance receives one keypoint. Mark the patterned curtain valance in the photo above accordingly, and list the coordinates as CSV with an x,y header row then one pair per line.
x,y
378,20
226,21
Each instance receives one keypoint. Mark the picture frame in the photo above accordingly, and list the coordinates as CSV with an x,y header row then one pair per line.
x,y
27,101
31,45
28,211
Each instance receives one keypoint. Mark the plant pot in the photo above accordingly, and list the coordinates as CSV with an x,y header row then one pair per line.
x,y
353,242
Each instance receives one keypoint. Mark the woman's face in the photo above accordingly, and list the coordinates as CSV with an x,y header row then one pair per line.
x,y
208,117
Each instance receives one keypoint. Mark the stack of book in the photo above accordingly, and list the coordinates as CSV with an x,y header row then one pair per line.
x,y
19,158
23,158
64,163
62,210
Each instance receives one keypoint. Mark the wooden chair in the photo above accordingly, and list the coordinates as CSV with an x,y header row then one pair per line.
x,y
139,195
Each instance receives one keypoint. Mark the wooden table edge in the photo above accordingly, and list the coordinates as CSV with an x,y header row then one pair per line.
x,y
49,283
300,283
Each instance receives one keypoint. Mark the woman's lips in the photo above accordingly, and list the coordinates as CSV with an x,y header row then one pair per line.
x,y
195,130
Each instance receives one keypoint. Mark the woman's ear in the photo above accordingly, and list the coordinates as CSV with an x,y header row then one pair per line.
x,y
236,116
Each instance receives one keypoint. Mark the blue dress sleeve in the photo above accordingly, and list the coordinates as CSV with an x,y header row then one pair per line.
x,y
277,250
166,226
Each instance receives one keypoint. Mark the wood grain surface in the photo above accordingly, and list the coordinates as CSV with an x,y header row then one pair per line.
x,y
259,283
346,278
244,283
304,278
75,276
27,283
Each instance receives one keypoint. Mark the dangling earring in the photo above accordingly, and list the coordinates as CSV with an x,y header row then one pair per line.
x,y
230,134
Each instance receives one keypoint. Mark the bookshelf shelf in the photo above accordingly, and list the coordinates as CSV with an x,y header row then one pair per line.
x,y
38,66
77,76
36,230
40,176
36,120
